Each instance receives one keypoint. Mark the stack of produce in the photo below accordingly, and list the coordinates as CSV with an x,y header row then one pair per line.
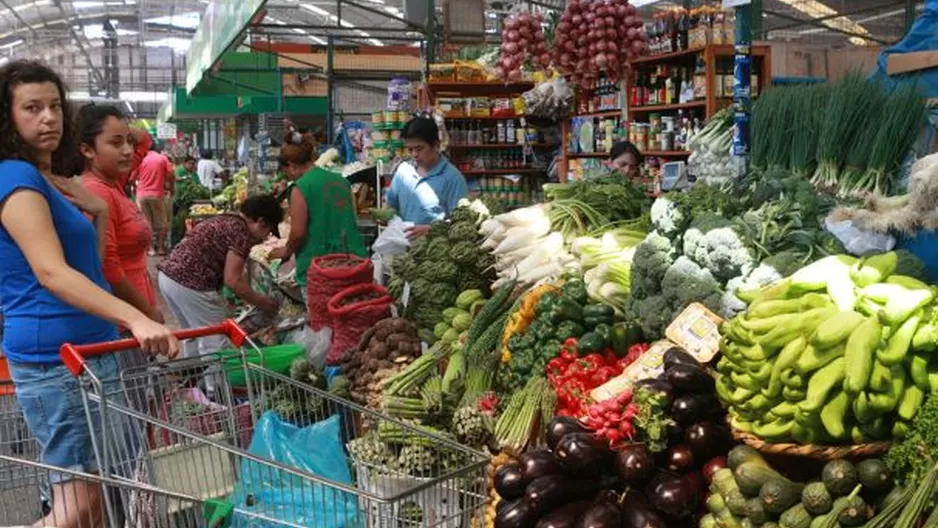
x,y
708,244
235,193
458,318
558,317
522,41
482,347
524,247
711,148
448,260
910,459
599,36
840,352
750,491
853,135
382,352
606,262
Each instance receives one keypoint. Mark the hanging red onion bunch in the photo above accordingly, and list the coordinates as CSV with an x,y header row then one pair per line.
x,y
522,40
598,35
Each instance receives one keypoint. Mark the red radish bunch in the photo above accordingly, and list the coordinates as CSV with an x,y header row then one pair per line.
x,y
612,418
522,40
598,35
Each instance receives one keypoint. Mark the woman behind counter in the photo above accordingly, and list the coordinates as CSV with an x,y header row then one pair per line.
x,y
323,220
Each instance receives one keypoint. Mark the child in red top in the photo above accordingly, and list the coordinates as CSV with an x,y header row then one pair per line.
x,y
108,154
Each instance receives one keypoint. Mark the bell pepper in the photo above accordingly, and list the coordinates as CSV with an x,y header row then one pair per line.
x,y
623,336
566,309
575,290
545,304
592,342
568,329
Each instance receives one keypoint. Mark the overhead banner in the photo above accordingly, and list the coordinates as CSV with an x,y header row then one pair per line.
x,y
223,22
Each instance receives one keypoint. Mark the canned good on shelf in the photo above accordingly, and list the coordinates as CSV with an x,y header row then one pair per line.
x,y
378,135
377,117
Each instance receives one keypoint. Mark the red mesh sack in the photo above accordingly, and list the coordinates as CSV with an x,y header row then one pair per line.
x,y
327,276
354,310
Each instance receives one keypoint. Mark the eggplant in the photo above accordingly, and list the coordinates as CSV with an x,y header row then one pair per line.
x,y
509,481
693,408
546,492
581,454
634,464
561,426
566,516
680,459
690,379
661,386
537,464
675,433
659,478
706,439
695,483
516,514
678,356
639,514
674,498
602,515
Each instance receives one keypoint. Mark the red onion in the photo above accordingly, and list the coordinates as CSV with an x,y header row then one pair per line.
x,y
512,35
514,75
499,72
590,17
631,34
545,60
577,20
610,21
523,44
525,31
563,27
611,33
600,46
600,60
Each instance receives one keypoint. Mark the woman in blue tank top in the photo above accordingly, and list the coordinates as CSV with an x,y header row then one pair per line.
x,y
52,284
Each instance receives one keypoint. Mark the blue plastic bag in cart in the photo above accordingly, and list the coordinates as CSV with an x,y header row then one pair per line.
x,y
275,494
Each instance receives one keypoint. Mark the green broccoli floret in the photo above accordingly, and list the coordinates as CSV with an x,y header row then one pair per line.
x,y
652,258
464,215
396,287
653,314
419,248
668,218
685,282
463,232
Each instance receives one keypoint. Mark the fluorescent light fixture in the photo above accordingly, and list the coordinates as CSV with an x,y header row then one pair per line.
x,y
181,21
4,60
175,43
127,97
643,3
318,40
11,45
315,9
299,31
130,108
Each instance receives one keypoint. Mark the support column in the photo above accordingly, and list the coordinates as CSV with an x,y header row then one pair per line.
x,y
742,91
330,88
909,14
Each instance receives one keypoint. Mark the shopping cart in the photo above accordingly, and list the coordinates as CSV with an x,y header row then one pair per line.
x,y
195,437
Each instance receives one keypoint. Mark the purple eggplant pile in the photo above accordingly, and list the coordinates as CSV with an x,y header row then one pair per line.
x,y
579,482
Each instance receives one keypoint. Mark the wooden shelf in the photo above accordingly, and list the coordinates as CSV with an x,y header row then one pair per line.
x,y
482,118
463,146
668,107
501,171
588,155
721,50
666,153
478,89
601,113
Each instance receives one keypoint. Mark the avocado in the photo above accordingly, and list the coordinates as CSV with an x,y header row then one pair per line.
x,y
743,453
755,512
874,475
779,495
840,477
816,499
855,513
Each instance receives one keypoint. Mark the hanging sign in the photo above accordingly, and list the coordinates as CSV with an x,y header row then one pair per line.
x,y
166,131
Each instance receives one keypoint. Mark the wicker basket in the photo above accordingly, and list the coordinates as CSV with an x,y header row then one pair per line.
x,y
804,462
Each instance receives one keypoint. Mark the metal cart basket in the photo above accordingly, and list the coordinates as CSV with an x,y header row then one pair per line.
x,y
187,428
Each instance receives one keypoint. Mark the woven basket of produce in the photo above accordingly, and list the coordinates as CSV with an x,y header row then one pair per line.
x,y
816,452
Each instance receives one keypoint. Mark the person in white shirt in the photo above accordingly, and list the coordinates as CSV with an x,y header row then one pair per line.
x,y
208,169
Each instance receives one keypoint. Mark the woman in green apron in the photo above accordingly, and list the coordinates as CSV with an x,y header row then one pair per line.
x,y
323,219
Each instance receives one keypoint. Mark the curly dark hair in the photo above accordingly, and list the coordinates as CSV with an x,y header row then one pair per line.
x,y
89,122
12,146
264,207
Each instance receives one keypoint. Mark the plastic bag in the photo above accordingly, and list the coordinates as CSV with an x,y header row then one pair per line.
x,y
857,241
316,343
393,239
316,449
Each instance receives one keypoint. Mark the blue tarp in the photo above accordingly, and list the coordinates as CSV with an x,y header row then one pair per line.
x,y
923,36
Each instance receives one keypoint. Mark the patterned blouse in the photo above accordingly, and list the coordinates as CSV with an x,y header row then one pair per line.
x,y
198,262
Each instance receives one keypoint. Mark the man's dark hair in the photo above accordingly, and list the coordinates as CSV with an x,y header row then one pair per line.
x,y
12,146
264,207
188,159
625,147
89,122
207,154
422,128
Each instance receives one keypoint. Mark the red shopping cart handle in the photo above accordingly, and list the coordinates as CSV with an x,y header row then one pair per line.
x,y
74,355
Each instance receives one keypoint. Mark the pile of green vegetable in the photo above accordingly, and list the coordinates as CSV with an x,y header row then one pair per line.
x,y
559,316
458,318
840,352
447,261
910,459
581,206
750,492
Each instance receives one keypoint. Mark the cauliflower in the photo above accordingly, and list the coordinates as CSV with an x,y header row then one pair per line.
x,y
695,235
718,245
652,258
667,217
685,282
730,304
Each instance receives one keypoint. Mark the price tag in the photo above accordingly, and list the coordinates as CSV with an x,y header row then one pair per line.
x,y
405,295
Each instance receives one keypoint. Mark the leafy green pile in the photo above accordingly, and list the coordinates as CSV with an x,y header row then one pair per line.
x,y
911,458
581,206
439,266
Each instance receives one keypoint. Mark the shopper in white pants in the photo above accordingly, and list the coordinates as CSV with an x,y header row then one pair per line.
x,y
212,255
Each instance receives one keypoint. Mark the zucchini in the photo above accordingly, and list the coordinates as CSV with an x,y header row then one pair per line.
x,y
751,476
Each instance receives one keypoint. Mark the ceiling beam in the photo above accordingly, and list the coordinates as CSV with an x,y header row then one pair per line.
x,y
813,22
79,41
818,20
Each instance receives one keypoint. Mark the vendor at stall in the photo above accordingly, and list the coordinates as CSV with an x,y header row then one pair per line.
x,y
212,255
322,211
429,187
625,159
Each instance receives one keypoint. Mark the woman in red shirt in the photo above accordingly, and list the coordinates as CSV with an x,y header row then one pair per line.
x,y
110,151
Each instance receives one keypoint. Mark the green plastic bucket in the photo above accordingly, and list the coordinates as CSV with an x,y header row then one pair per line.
x,y
276,358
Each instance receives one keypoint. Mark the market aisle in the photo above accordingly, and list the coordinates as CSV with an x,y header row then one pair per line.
x,y
164,308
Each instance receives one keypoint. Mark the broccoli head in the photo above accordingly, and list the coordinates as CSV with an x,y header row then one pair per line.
x,y
653,315
720,246
419,248
652,258
463,232
396,288
668,218
685,282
